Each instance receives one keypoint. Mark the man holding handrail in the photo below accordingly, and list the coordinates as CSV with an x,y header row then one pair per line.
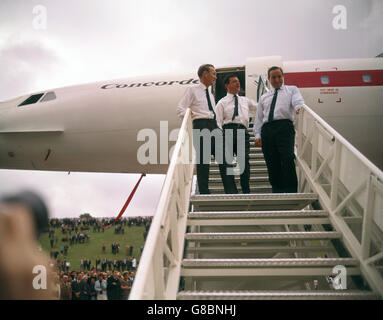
x,y
200,100
274,131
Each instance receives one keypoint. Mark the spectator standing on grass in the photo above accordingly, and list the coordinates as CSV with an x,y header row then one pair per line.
x,y
65,288
126,286
76,287
92,290
100,287
114,286
84,289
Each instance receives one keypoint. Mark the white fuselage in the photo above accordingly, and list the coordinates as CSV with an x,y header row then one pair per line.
x,y
94,127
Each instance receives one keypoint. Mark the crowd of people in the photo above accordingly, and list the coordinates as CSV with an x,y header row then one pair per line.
x,y
94,281
69,225
105,264
95,285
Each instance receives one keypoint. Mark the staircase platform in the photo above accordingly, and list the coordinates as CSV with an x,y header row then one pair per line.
x,y
278,295
243,202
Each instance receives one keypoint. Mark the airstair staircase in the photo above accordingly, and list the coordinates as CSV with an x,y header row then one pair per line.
x,y
262,245
325,242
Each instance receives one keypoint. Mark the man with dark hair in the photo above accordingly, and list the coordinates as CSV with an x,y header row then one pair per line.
x,y
203,68
272,69
233,117
126,286
114,286
205,131
84,288
100,287
274,131
76,286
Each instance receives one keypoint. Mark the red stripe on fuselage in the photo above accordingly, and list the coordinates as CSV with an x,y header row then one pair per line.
x,y
336,78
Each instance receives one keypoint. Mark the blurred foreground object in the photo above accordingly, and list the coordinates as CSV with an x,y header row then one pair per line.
x,y
25,273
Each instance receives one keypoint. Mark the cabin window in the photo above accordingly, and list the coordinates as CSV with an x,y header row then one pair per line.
x,y
366,78
49,96
325,79
32,99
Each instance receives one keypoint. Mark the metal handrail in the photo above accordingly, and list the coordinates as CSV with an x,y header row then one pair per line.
x,y
159,269
346,182
158,274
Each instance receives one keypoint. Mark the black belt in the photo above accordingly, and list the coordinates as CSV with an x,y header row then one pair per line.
x,y
233,126
277,121
202,119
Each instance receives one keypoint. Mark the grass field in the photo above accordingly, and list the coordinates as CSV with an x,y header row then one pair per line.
x,y
93,249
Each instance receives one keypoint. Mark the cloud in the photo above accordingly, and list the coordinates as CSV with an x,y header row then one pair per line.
x,y
373,26
87,41
100,194
24,64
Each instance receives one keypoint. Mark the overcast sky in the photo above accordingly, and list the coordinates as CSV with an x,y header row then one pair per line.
x,y
90,40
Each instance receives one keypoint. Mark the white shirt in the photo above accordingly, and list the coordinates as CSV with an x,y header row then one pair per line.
x,y
100,287
195,99
289,99
225,110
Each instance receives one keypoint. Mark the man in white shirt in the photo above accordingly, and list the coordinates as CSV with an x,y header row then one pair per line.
x,y
233,115
202,104
274,131
100,287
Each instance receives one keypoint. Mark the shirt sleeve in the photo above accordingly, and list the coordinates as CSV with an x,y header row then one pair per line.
x,y
219,114
184,103
297,99
258,120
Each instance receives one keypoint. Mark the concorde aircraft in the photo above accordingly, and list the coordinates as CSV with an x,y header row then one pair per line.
x,y
103,126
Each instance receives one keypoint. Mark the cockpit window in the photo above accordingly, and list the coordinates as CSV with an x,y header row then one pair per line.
x,y
36,97
49,96
32,99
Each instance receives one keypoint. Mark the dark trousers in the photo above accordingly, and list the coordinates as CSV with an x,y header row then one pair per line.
x,y
204,166
278,149
232,144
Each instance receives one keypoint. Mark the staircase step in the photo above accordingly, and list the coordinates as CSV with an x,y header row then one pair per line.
x,y
255,150
253,163
254,172
257,214
246,236
247,218
243,202
207,268
269,263
256,189
252,155
238,179
278,295
257,249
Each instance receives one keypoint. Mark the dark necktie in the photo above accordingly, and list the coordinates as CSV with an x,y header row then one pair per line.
x,y
272,107
235,107
209,102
